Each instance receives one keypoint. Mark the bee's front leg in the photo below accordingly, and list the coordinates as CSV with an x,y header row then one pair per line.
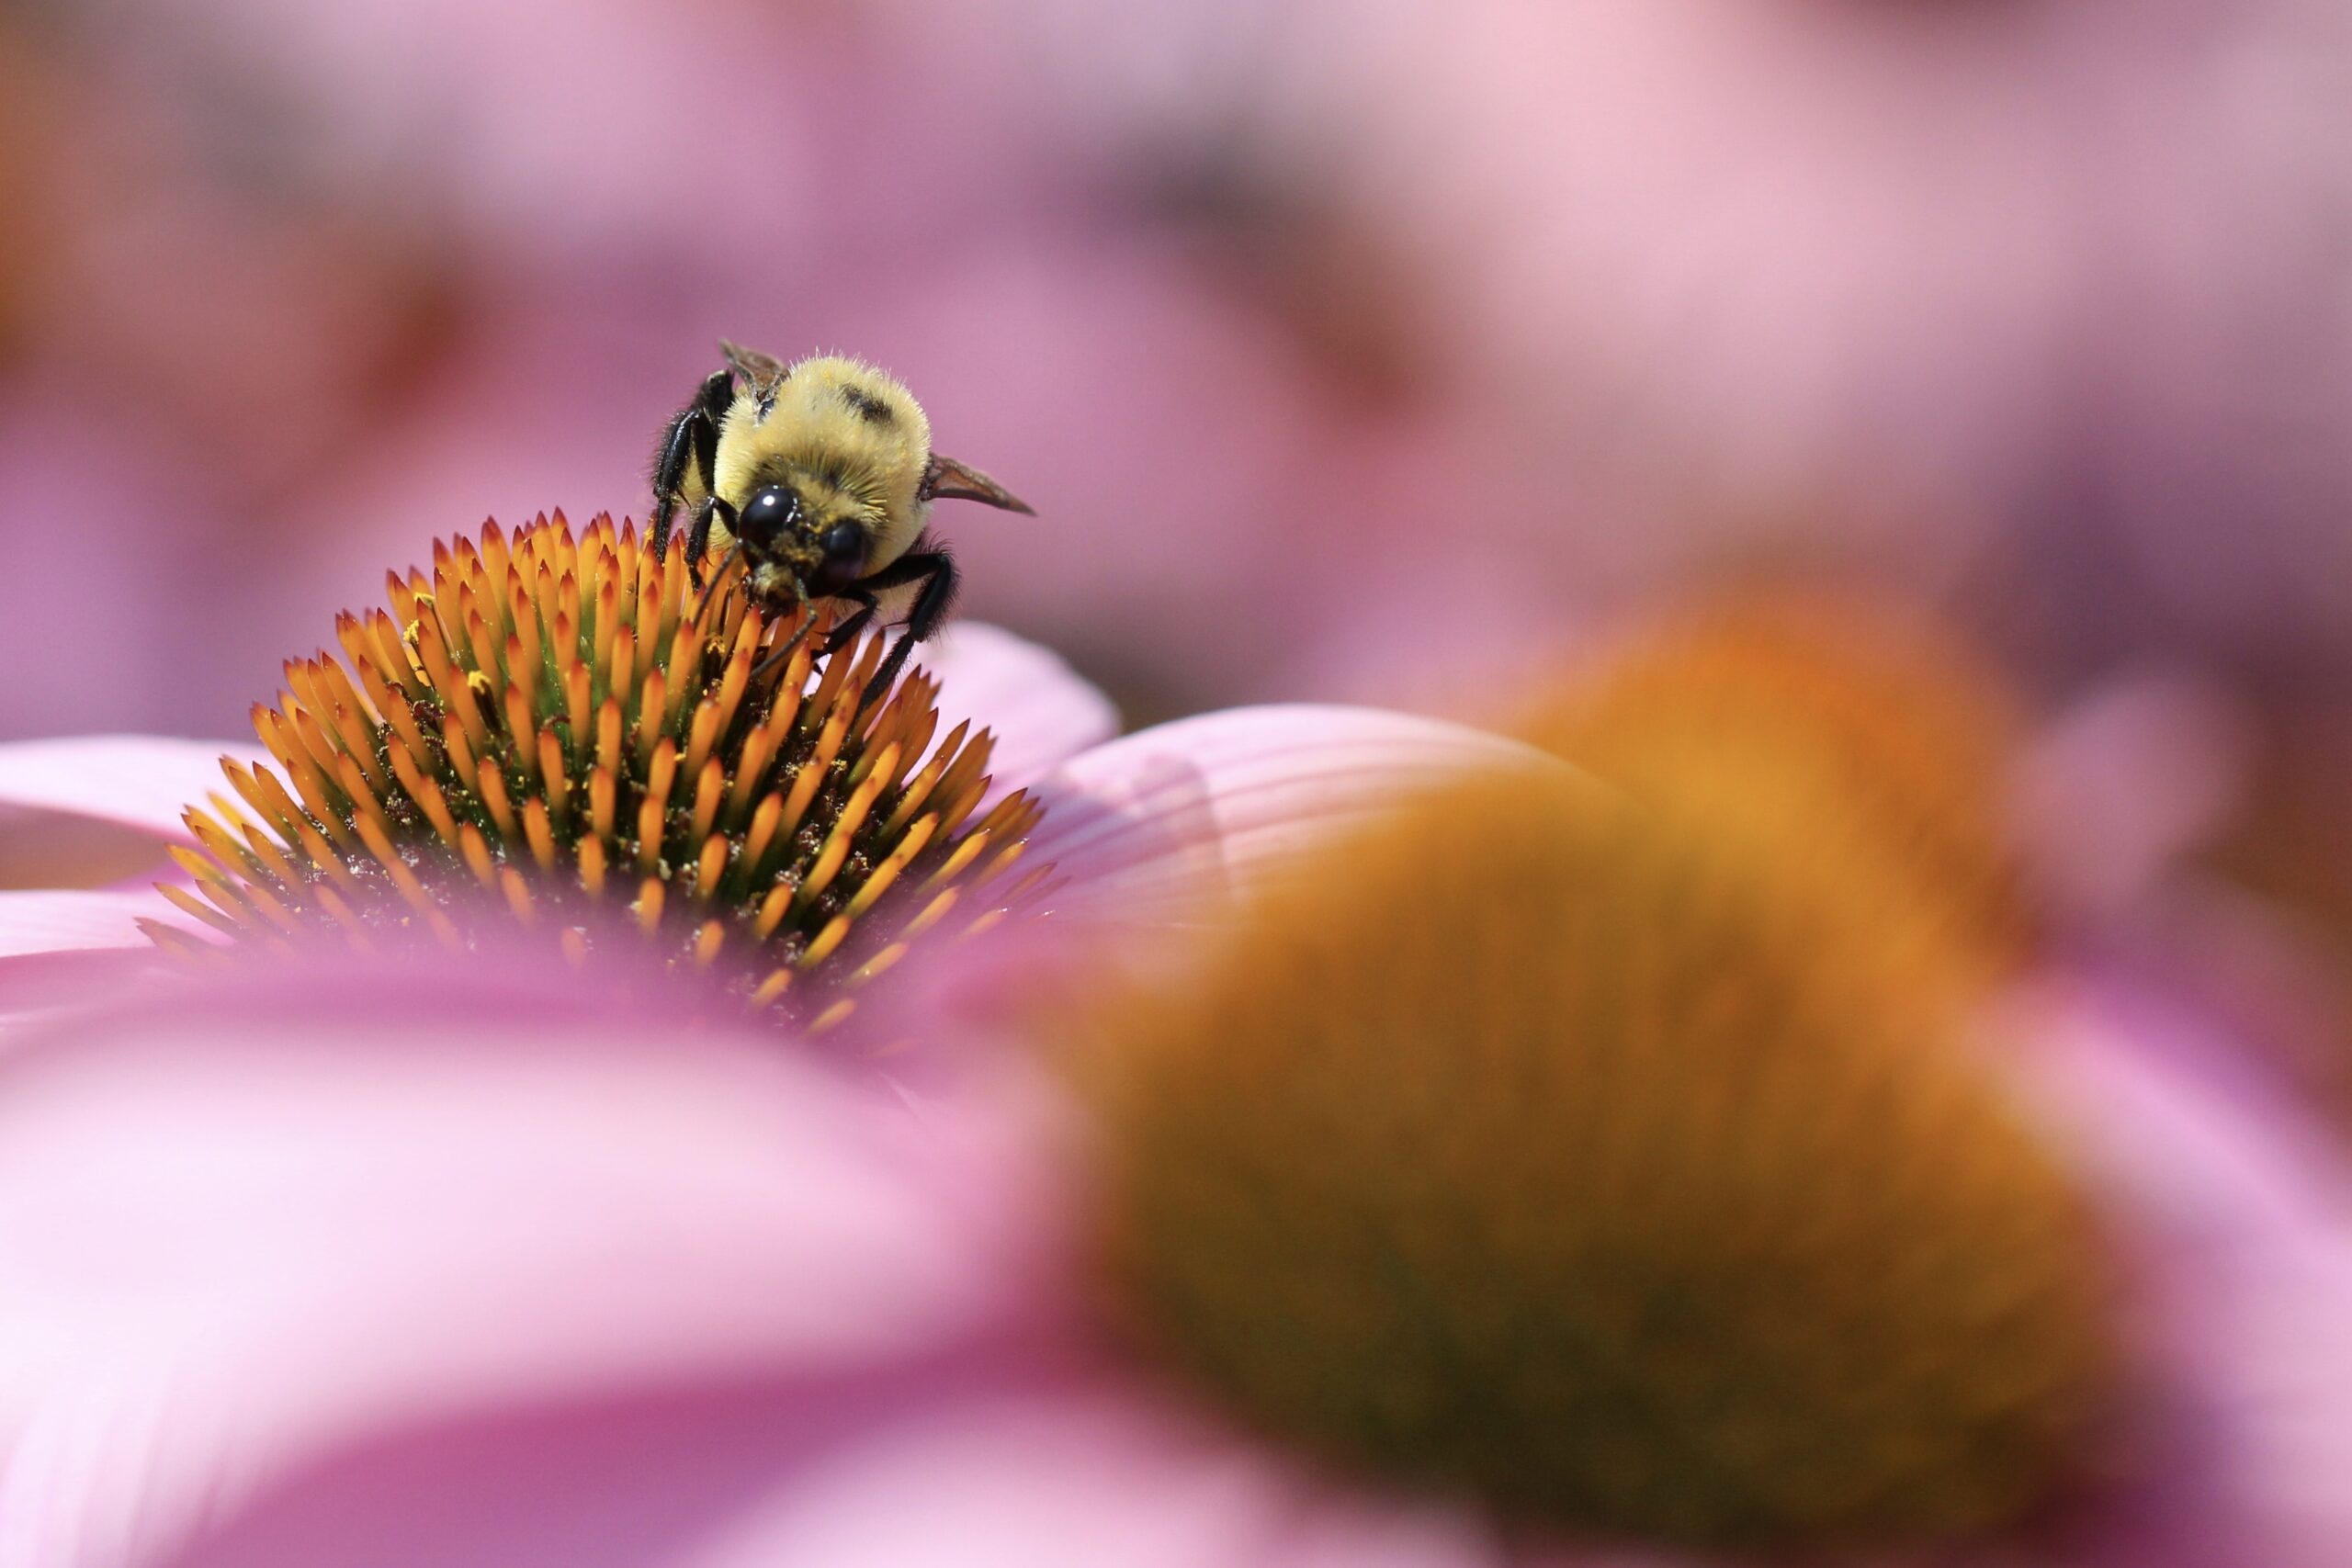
x,y
712,510
936,572
841,635
688,454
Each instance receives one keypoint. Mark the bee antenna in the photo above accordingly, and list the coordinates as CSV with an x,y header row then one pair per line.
x,y
783,649
711,584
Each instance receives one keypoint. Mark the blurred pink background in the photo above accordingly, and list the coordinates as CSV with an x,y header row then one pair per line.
x,y
1364,351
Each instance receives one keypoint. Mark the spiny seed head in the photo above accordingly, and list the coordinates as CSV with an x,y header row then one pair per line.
x,y
554,730
1540,1150
1855,713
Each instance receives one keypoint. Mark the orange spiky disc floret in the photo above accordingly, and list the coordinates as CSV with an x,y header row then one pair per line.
x,y
550,726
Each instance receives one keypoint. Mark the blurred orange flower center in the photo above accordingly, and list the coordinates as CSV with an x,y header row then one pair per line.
x,y
1560,1150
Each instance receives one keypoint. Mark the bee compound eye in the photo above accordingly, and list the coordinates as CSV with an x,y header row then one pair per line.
x,y
844,562
767,515
844,545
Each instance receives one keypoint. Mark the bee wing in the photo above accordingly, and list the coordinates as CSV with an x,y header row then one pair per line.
x,y
762,373
958,481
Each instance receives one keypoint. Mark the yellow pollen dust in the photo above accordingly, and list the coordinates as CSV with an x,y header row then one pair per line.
x,y
572,734
1535,1148
1856,714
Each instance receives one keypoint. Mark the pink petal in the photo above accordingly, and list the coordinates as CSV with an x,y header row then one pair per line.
x,y
60,947
1074,1475
246,1228
632,1483
1154,827
52,919
1043,711
2234,1215
137,781
972,1465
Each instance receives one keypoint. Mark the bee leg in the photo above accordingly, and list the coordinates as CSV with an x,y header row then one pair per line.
x,y
936,572
689,449
841,635
698,536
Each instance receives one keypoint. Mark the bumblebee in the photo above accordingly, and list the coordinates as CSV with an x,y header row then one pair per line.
x,y
821,476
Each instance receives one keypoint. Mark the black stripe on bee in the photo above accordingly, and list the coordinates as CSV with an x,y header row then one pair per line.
x,y
868,407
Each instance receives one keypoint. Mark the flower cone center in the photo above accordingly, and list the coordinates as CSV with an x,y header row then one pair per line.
x,y
576,735
1548,1152
1870,716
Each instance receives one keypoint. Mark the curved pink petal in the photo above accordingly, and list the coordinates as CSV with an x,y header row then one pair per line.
x,y
1043,711
39,920
2234,1218
972,1465
618,1486
626,1484
137,781
242,1229
1154,827
59,946
1073,1473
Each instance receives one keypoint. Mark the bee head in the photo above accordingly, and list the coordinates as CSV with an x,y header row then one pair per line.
x,y
826,553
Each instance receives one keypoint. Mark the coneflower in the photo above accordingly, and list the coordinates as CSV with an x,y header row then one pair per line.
x,y
554,730
1577,1158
